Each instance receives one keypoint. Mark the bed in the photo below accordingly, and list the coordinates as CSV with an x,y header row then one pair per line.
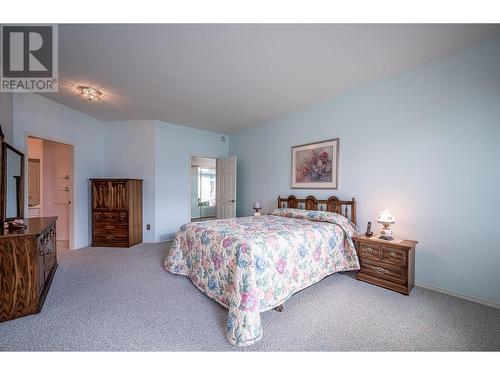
x,y
254,264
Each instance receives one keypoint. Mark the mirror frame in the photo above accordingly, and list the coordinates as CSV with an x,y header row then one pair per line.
x,y
20,186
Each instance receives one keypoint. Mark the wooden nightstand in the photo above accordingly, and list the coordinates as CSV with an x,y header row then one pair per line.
x,y
389,264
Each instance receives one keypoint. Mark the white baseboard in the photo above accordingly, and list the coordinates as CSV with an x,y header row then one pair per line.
x,y
154,241
459,295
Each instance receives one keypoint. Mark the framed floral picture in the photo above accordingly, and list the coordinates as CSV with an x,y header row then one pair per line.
x,y
315,165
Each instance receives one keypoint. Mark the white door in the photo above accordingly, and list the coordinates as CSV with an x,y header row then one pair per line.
x,y
226,187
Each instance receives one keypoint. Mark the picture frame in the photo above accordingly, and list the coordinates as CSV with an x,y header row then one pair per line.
x,y
315,165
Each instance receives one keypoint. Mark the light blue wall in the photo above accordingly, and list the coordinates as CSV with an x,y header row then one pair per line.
x,y
159,153
39,116
129,152
424,144
174,146
6,115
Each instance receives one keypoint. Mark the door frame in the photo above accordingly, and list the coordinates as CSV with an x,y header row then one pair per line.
x,y
189,179
72,196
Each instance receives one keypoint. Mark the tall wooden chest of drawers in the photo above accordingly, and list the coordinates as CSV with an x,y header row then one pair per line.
x,y
28,262
116,212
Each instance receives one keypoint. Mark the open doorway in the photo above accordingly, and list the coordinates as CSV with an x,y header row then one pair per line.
x,y
203,188
50,185
212,182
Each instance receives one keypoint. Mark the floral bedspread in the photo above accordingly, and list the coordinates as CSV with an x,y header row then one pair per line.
x,y
253,264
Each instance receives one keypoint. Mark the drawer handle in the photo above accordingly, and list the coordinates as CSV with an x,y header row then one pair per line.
x,y
110,237
110,227
392,255
380,270
369,251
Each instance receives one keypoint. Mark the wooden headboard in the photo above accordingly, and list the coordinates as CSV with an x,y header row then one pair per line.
x,y
332,204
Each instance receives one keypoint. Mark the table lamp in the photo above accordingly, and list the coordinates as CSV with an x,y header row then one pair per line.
x,y
256,207
386,219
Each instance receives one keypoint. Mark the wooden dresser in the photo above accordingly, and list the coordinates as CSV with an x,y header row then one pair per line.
x,y
116,212
28,262
389,264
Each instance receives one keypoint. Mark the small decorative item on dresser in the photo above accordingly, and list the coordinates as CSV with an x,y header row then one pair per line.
x,y
389,264
17,224
256,207
386,219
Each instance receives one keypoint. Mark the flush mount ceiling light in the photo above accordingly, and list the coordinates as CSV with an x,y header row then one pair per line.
x,y
90,93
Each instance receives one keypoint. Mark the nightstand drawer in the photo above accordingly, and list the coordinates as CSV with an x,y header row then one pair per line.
x,y
393,256
384,271
369,251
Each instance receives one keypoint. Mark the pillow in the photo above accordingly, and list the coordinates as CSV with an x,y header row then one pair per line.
x,y
323,216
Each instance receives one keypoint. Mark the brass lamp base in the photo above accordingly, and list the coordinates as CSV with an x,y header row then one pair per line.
x,y
386,233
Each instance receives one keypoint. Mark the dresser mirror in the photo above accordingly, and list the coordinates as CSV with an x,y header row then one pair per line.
x,y
12,197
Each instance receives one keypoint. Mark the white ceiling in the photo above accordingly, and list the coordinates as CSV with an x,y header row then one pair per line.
x,y
225,77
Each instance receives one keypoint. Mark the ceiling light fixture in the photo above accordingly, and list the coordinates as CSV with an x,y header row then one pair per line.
x,y
90,93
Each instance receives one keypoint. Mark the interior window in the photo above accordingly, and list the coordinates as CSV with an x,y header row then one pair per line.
x,y
206,186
